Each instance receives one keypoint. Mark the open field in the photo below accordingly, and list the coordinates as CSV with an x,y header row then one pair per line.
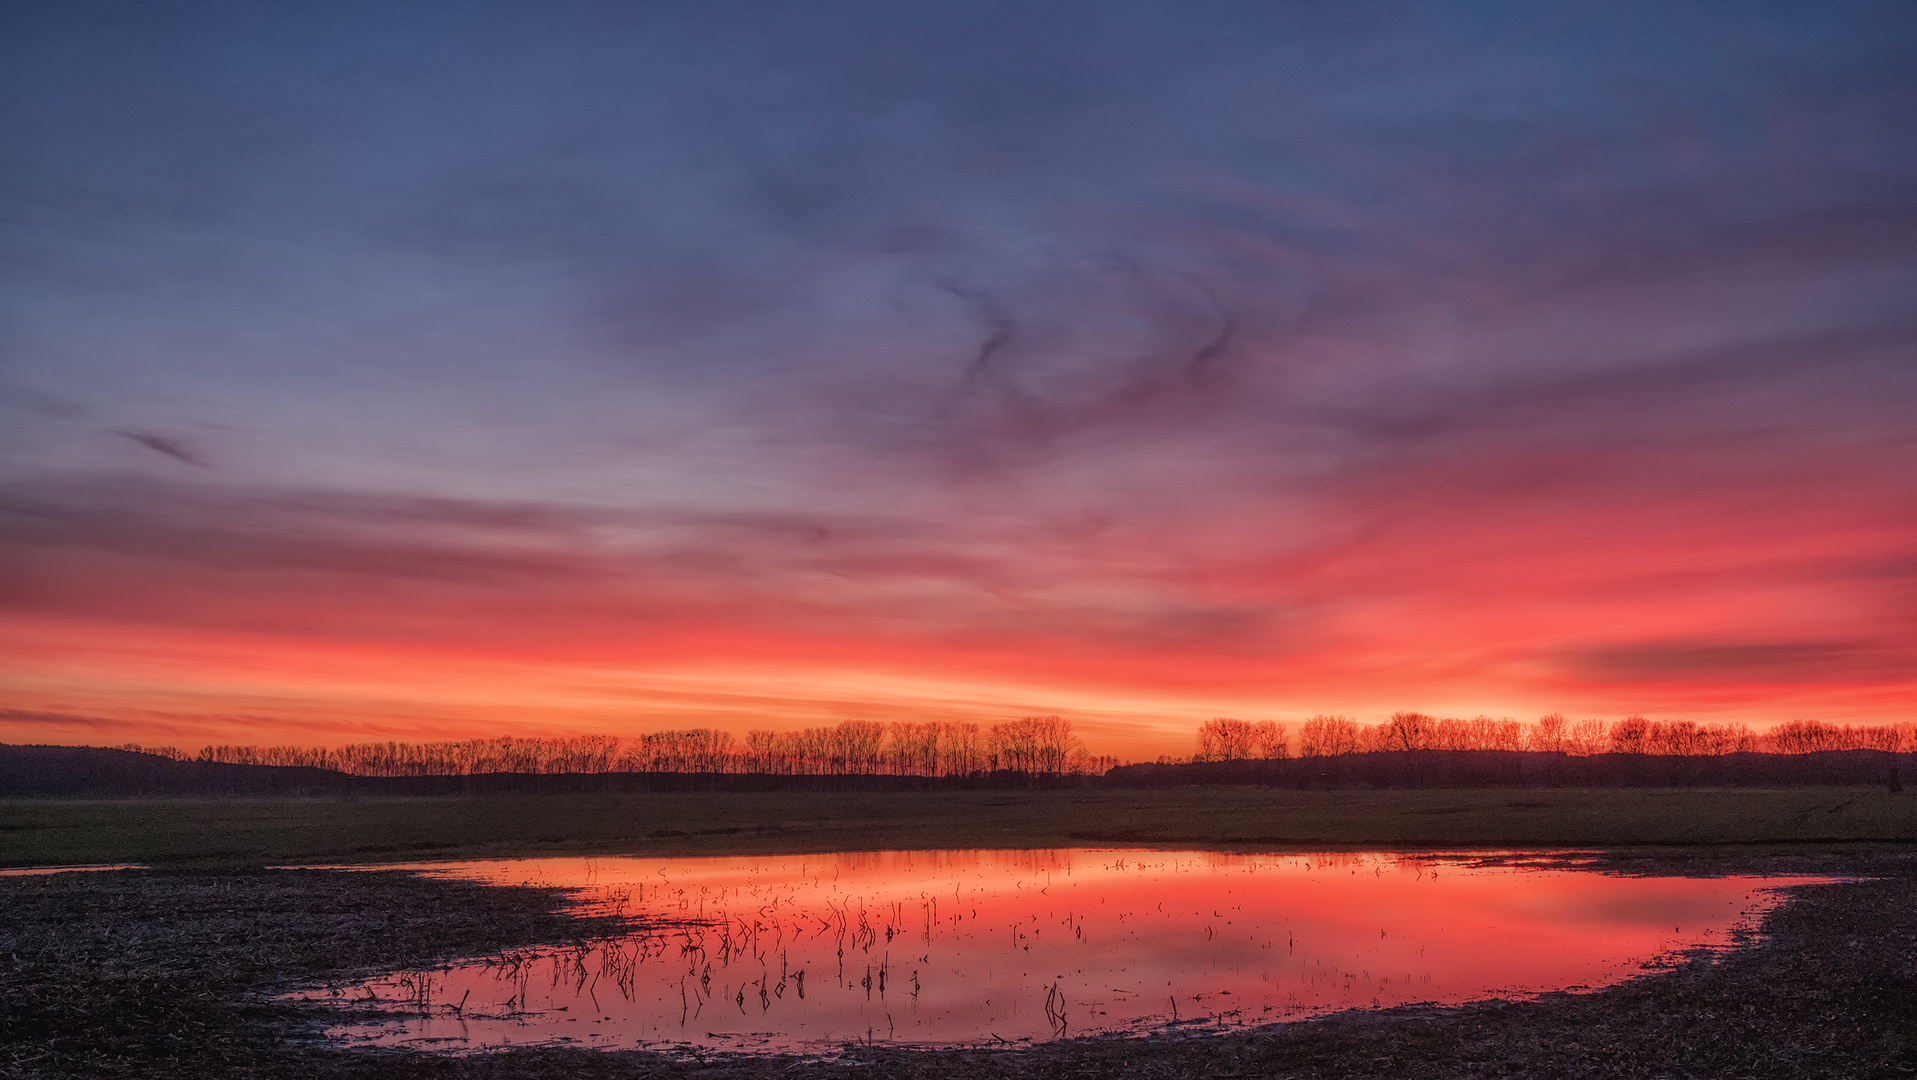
x,y
173,974
242,832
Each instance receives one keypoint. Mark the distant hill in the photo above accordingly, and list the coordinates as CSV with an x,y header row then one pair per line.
x,y
75,771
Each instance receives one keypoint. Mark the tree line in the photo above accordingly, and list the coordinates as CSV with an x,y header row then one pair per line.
x,y
1035,745
1225,739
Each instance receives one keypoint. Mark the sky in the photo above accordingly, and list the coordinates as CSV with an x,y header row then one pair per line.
x,y
440,370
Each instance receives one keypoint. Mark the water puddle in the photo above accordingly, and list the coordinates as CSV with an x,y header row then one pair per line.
x,y
967,947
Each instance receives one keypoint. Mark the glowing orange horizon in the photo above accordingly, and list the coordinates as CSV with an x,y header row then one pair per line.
x,y
133,684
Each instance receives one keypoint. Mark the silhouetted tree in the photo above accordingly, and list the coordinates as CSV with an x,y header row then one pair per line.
x,y
1328,736
1408,731
1225,739
1630,735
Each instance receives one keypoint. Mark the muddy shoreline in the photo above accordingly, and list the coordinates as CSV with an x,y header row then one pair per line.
x,y
166,973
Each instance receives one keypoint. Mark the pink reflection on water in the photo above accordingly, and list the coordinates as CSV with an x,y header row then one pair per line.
x,y
950,947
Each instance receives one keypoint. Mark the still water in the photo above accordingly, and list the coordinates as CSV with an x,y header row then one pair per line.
x,y
965,947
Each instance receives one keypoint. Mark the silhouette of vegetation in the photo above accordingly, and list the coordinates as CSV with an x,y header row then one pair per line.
x,y
1038,745
1409,749
1225,739
1435,768
1331,736
1413,749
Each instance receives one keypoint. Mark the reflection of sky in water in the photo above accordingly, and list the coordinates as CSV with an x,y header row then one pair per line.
x,y
977,946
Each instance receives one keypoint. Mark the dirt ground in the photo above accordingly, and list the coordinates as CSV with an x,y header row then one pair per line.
x,y
173,974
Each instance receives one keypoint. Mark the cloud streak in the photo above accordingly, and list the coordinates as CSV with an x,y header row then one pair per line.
x,y
160,444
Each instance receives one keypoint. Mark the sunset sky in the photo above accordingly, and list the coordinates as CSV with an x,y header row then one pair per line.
x,y
422,371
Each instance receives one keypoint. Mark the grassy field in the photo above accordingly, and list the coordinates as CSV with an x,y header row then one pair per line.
x,y
240,832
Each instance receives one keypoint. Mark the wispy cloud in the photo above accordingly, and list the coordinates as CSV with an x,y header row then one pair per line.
x,y
160,444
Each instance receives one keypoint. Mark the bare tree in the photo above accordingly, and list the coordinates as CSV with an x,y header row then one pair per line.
x,y
1033,744
1328,736
962,749
1630,735
1409,731
1268,740
1548,735
1225,739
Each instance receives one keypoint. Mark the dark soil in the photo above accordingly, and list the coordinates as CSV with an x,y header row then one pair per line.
x,y
172,974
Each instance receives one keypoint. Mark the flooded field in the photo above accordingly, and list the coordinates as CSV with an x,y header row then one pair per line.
x,y
964,947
